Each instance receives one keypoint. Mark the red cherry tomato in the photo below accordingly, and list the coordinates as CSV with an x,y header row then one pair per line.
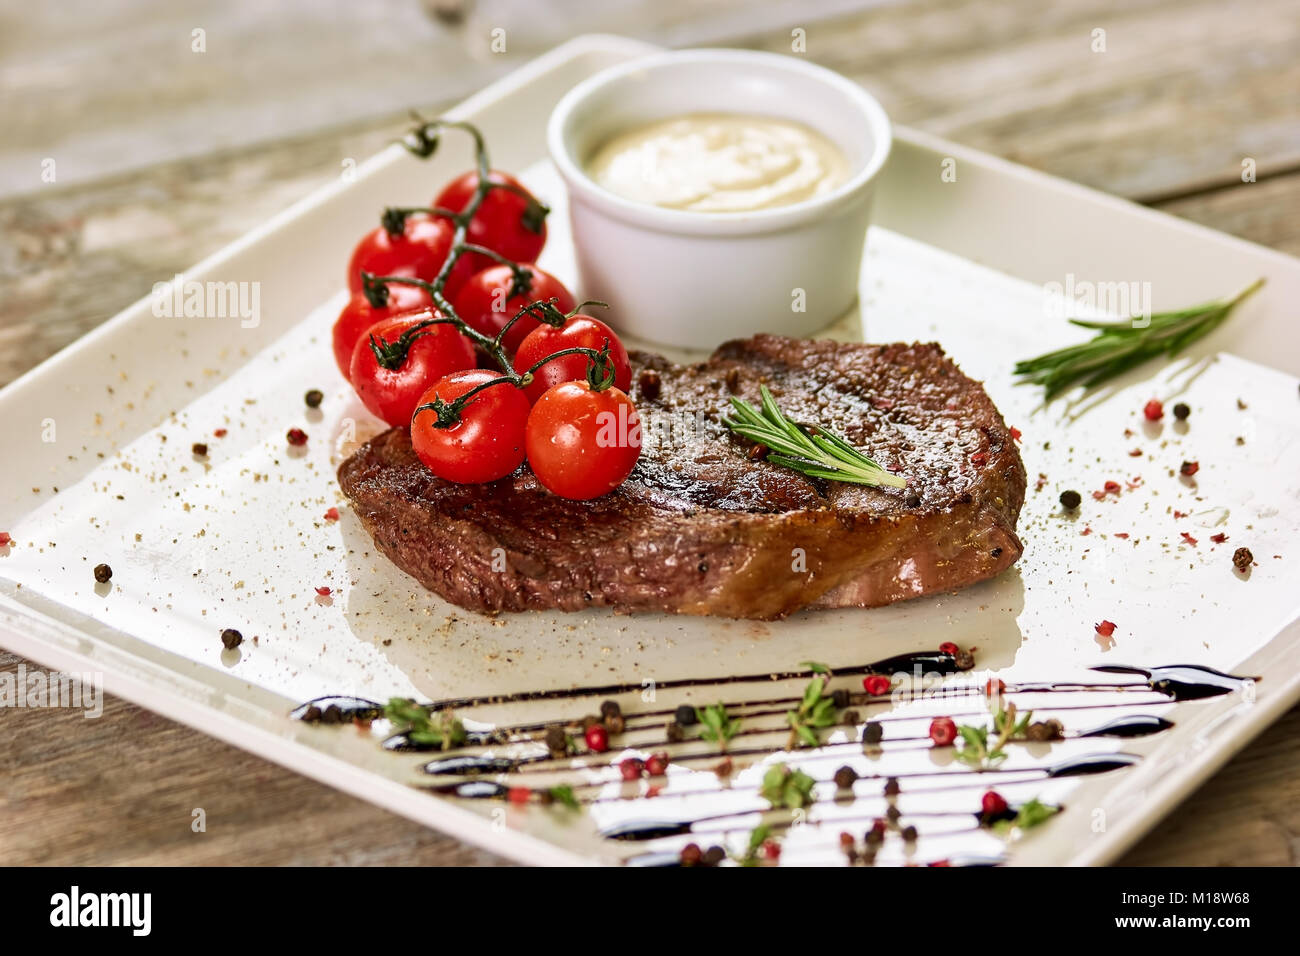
x,y
359,315
499,224
488,441
581,331
582,443
392,394
419,251
485,302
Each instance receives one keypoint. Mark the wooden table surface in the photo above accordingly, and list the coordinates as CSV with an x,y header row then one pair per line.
x,y
1184,92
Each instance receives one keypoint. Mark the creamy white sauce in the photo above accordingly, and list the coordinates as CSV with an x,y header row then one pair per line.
x,y
715,162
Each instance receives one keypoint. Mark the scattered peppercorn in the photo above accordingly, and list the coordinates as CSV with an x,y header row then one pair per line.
x,y
691,854
685,715
5,539
846,777
1242,559
913,501
231,638
631,768
948,647
1106,628
518,795
657,765
877,685
199,449
964,661
1189,468
673,731
910,834
649,383
995,687
557,741
1070,500
332,514
893,814
103,573
840,698
314,397
714,855
872,732
296,437
992,805
1043,730
892,787
1182,411
1153,410
943,731
597,738
849,718
610,708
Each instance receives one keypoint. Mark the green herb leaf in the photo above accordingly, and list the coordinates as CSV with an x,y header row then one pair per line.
x,y
783,787
716,724
1030,814
811,451
564,794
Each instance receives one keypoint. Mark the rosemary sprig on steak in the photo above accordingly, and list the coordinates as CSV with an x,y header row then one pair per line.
x,y
1120,346
813,451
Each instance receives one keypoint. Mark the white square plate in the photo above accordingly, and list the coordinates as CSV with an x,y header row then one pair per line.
x,y
240,540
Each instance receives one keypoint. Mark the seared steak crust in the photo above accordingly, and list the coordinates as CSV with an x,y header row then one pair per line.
x,y
699,528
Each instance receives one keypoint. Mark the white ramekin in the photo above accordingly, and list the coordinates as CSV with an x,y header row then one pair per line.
x,y
694,279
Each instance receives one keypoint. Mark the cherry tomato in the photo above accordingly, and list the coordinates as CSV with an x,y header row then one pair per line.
x,y
499,224
488,441
582,443
581,331
419,251
392,394
486,305
359,315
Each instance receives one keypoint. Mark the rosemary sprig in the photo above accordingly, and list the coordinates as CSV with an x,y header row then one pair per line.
x,y
812,451
1120,346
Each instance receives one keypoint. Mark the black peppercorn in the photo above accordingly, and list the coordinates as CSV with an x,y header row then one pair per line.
x,y
872,732
892,789
231,638
103,573
714,855
845,777
1181,411
840,698
685,715
557,741
893,814
199,449
610,708
1070,500
849,718
314,397
909,834
1242,559
674,732
913,501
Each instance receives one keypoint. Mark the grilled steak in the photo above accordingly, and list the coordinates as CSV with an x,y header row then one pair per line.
x,y
699,527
